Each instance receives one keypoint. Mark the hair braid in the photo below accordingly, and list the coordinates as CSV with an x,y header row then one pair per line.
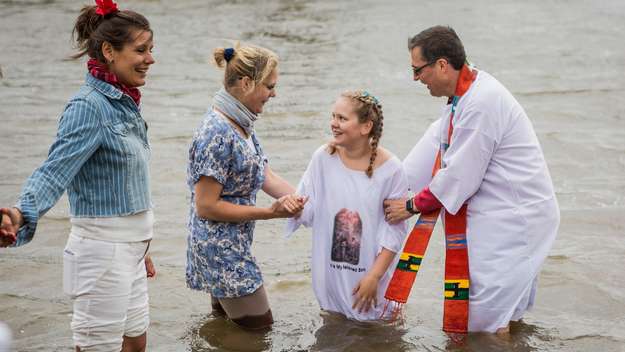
x,y
376,134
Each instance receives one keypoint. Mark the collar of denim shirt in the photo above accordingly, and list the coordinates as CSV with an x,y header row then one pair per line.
x,y
103,87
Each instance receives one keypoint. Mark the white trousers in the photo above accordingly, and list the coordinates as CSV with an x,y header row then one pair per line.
x,y
108,283
5,338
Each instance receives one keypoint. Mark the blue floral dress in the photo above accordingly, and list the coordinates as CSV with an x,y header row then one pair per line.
x,y
219,258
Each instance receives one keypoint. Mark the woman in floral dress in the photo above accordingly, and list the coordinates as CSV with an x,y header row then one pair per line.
x,y
227,167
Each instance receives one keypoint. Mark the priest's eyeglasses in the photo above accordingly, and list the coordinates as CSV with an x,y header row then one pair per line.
x,y
417,70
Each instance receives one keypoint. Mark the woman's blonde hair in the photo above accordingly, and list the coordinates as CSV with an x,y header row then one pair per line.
x,y
367,108
245,61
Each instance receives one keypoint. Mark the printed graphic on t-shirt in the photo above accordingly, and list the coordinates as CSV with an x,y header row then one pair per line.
x,y
346,237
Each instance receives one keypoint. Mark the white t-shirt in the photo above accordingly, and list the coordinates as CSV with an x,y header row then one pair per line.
x,y
496,164
130,228
345,211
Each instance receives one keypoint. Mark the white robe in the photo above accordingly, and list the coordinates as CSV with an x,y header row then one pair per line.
x,y
332,187
496,165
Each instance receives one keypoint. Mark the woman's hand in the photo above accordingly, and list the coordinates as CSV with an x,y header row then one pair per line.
x,y
395,210
366,292
11,220
149,267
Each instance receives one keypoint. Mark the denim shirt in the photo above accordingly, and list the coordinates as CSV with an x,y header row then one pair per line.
x,y
100,156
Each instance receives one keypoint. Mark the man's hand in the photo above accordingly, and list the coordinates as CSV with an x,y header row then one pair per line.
x,y
395,210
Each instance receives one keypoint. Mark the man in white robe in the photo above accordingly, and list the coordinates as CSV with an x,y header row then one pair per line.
x,y
495,165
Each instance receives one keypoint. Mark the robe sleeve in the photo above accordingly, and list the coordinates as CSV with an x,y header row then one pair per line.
x,y
466,160
426,202
419,163
393,236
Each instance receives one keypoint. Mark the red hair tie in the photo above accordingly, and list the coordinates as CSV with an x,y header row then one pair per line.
x,y
104,7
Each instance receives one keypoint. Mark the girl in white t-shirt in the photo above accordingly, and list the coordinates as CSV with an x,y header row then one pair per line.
x,y
354,248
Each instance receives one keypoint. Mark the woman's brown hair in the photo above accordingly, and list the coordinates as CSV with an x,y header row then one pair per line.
x,y
91,30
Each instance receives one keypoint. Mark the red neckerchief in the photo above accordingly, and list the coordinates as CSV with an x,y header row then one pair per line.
x,y
101,72
466,77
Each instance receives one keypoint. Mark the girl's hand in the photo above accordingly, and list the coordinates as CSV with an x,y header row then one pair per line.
x,y
292,203
366,292
299,207
149,267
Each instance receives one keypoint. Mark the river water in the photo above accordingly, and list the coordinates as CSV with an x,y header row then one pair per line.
x,y
563,60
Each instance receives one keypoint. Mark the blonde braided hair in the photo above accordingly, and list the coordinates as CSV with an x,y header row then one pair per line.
x,y
367,108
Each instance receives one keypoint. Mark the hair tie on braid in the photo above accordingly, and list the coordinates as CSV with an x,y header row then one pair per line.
x,y
366,95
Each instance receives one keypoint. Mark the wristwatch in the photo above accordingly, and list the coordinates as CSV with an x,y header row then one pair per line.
x,y
410,206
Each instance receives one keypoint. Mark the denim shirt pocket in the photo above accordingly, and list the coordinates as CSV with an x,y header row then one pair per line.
x,y
119,128
119,139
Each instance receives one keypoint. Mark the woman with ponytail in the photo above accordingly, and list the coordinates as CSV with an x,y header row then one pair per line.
x,y
345,183
227,167
100,157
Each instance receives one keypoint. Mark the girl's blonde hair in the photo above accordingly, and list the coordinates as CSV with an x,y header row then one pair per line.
x,y
367,108
245,61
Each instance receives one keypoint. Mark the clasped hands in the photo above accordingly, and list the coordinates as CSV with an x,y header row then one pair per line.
x,y
290,205
10,221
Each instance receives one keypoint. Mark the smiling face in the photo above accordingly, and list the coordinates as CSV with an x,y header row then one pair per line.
x,y
432,74
261,93
131,63
346,128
